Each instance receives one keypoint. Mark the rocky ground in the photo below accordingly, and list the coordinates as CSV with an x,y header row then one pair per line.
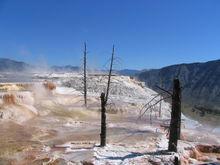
x,y
46,124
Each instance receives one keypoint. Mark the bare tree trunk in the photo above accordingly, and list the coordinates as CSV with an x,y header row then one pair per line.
x,y
85,77
160,106
103,121
104,100
175,122
110,74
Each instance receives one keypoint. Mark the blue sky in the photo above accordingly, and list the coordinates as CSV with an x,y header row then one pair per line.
x,y
146,33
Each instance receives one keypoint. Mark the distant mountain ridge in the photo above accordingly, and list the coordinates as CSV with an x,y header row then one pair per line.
x,y
8,65
11,65
200,81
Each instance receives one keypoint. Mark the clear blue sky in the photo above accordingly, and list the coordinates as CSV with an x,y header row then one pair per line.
x,y
146,33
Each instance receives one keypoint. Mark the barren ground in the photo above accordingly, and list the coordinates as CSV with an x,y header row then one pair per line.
x,y
53,127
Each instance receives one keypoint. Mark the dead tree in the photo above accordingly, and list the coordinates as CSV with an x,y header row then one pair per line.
x,y
84,75
104,100
175,122
160,98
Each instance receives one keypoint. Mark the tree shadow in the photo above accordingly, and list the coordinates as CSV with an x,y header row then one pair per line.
x,y
136,154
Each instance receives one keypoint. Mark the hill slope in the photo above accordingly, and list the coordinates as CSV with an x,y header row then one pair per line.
x,y
128,72
11,65
201,82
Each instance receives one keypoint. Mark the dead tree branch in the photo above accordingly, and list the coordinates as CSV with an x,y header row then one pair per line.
x,y
151,101
110,74
164,90
152,106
